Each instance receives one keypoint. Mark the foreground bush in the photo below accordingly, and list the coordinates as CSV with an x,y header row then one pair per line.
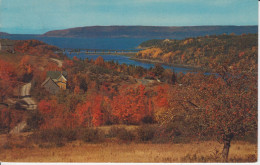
x,y
59,136
146,132
121,133
53,136
92,135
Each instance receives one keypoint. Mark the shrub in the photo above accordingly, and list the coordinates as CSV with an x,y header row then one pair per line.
x,y
147,120
52,136
59,136
172,132
70,134
121,133
125,135
113,132
8,146
146,132
92,135
33,121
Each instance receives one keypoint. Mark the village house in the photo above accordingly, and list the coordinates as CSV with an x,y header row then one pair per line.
x,y
7,45
55,81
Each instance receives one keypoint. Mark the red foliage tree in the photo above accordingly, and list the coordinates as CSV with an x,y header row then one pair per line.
x,y
67,64
9,118
75,58
8,79
96,111
76,90
130,106
90,112
5,118
83,113
100,61
53,114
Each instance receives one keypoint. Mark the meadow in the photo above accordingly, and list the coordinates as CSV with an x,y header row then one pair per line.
x,y
24,147
208,151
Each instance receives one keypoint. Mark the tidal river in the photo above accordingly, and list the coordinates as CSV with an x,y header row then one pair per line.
x,y
98,43
121,59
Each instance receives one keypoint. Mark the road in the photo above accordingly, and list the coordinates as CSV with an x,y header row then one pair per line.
x,y
25,93
59,62
31,105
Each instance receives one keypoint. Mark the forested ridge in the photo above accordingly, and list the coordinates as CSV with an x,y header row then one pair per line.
x,y
178,32
239,51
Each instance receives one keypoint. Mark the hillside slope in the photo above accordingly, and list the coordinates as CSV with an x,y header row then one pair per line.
x,y
4,34
235,50
149,31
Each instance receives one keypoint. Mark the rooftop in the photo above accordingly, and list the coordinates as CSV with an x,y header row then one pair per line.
x,y
56,74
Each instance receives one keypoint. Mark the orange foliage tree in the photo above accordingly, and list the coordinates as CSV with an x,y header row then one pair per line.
x,y
25,69
55,115
9,118
90,112
8,79
100,61
130,106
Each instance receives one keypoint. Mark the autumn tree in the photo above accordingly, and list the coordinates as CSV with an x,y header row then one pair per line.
x,y
233,105
5,119
76,90
89,113
53,114
25,69
97,113
130,106
158,70
83,84
9,118
100,61
83,112
224,104
8,79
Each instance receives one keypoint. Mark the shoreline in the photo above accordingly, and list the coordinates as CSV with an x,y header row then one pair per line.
x,y
132,57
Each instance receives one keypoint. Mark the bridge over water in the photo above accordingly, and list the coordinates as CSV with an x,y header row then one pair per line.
x,y
101,51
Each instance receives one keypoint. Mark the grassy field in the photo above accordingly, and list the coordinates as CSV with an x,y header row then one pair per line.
x,y
78,151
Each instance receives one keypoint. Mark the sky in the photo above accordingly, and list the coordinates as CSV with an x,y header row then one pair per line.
x,y
40,16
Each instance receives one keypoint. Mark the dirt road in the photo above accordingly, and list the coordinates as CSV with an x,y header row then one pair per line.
x,y
59,62
31,106
25,93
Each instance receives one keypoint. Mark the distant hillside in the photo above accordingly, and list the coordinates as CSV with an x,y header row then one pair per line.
x,y
237,51
4,34
149,31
